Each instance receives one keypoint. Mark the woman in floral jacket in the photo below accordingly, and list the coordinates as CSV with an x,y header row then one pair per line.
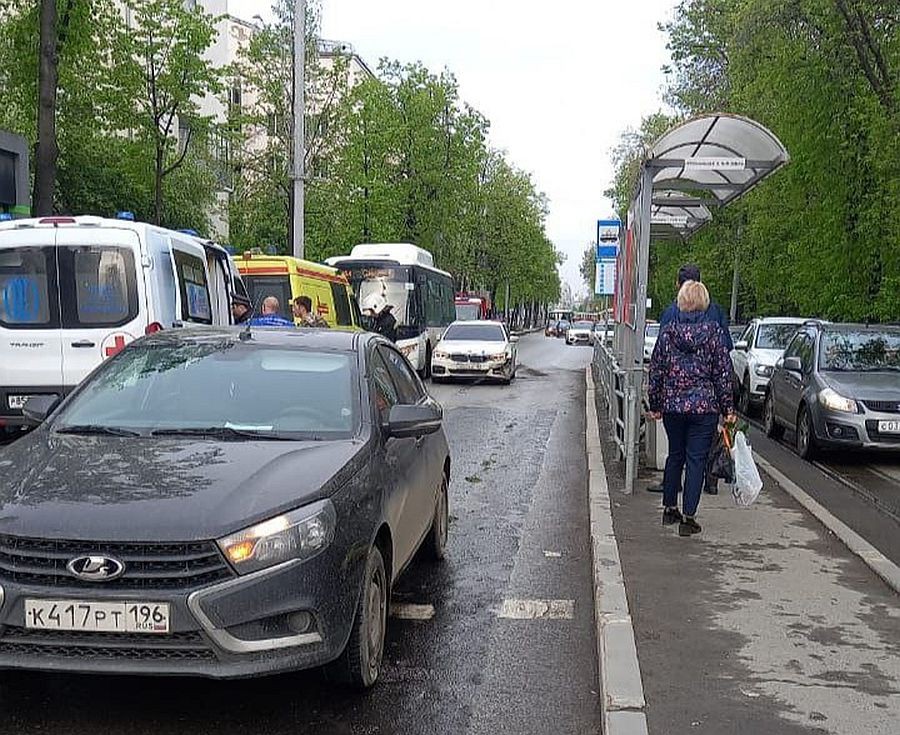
x,y
690,387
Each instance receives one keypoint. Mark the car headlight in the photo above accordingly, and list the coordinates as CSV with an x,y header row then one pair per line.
x,y
440,355
498,356
764,371
409,349
836,402
300,534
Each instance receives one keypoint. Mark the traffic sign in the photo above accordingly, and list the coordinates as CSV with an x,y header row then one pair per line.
x,y
608,231
605,282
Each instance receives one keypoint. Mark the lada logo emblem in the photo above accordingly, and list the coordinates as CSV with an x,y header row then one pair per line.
x,y
96,568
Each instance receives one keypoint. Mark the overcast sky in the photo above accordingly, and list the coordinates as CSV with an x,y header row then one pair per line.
x,y
558,80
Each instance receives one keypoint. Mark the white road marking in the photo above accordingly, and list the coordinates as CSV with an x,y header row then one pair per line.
x,y
409,611
537,609
552,554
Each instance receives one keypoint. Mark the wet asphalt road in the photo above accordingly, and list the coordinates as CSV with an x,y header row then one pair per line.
x,y
518,532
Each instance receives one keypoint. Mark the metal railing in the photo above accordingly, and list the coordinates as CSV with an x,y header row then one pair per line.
x,y
618,388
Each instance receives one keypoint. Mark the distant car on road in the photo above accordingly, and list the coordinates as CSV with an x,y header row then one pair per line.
x,y
579,333
562,326
651,334
475,349
224,504
755,353
838,386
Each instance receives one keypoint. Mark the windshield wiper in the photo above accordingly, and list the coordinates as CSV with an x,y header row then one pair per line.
x,y
96,429
223,432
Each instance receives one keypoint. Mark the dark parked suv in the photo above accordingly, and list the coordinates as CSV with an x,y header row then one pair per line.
x,y
838,386
221,503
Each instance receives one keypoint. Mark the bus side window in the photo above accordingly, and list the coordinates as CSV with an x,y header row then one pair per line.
x,y
436,311
449,304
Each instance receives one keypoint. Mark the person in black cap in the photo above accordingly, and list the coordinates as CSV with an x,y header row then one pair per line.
x,y
715,313
241,308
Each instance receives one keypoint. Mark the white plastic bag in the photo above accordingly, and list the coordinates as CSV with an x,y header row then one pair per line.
x,y
747,482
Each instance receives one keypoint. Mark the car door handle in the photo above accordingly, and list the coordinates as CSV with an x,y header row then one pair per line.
x,y
84,343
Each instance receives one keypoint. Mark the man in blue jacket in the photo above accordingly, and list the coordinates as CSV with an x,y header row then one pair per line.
x,y
714,313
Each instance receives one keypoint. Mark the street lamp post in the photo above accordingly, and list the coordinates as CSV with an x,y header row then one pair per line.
x,y
299,153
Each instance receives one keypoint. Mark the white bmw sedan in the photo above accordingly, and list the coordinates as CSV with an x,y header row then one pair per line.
x,y
477,349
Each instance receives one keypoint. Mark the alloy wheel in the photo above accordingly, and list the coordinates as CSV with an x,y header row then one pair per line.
x,y
375,622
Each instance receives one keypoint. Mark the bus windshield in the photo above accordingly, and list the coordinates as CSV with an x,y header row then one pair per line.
x,y
393,281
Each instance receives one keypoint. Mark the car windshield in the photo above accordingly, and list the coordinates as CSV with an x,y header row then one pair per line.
x,y
583,325
775,336
562,325
475,333
219,385
653,330
862,350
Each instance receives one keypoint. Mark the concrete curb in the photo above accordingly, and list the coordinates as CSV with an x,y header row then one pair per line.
x,y
872,557
622,691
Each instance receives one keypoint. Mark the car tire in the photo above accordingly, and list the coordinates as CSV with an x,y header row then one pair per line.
x,y
773,429
436,542
745,405
806,435
360,663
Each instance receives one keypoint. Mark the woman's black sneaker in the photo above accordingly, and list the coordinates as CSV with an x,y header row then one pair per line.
x,y
672,515
688,527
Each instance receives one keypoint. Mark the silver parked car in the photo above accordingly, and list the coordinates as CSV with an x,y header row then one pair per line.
x,y
755,353
838,386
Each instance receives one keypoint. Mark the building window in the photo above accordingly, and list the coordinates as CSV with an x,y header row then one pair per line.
x,y
235,96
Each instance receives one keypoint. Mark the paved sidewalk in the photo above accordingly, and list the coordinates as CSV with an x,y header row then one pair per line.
x,y
764,623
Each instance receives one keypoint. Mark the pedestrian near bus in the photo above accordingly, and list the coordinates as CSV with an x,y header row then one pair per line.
x,y
304,312
690,388
271,315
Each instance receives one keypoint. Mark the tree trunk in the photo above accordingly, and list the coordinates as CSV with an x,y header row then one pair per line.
x,y
47,151
158,184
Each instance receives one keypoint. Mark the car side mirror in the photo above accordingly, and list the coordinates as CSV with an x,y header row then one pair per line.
x,y
793,365
37,408
742,345
413,421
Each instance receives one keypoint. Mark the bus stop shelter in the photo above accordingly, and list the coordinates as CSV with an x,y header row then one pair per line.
x,y
694,169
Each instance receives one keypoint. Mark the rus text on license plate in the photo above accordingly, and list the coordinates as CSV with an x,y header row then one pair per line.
x,y
97,617
16,401
889,427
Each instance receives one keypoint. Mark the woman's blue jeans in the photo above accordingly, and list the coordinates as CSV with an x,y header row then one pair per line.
x,y
690,438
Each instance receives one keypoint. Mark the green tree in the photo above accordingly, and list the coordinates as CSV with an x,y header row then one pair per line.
x,y
164,74
821,237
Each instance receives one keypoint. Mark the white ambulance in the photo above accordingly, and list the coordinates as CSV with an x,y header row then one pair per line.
x,y
76,290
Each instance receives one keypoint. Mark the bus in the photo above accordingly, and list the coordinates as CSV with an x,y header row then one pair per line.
x,y
471,307
422,296
556,315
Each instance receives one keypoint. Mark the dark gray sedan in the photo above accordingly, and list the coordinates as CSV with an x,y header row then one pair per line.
x,y
838,386
221,503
